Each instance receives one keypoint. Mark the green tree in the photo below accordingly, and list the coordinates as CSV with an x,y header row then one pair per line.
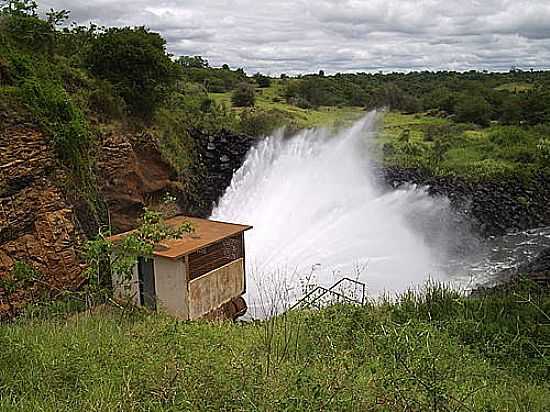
x,y
244,95
134,60
19,7
472,108
196,62
262,81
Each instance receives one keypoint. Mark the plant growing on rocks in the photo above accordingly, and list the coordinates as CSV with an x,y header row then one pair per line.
x,y
20,277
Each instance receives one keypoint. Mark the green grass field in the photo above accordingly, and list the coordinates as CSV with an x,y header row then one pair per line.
x,y
421,141
272,98
515,87
439,352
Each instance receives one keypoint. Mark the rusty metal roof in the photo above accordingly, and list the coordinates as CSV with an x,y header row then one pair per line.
x,y
206,233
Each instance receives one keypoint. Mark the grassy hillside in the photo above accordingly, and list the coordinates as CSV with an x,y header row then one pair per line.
x,y
445,147
271,99
440,352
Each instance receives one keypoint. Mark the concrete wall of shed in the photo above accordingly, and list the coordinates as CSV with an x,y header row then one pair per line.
x,y
171,286
127,288
209,292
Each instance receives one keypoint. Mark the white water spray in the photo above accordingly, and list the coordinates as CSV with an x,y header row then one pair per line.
x,y
313,203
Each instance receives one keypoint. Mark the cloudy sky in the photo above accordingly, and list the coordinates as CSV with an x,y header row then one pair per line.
x,y
284,36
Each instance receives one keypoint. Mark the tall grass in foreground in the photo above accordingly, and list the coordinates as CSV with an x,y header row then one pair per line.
x,y
433,351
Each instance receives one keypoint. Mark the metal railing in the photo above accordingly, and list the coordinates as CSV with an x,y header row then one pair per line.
x,y
311,299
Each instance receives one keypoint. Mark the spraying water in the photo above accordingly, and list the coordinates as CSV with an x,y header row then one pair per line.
x,y
315,207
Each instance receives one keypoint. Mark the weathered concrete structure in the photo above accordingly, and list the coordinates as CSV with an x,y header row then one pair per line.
x,y
201,275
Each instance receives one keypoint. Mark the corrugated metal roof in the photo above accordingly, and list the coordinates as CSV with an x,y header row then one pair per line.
x,y
206,233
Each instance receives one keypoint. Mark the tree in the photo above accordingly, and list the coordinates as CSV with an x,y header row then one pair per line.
x,y
244,95
134,60
20,21
262,81
473,108
195,62
19,7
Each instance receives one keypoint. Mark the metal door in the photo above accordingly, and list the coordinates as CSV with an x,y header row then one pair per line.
x,y
146,273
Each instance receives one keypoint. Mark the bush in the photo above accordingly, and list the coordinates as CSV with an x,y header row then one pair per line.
x,y
244,95
261,122
134,60
104,101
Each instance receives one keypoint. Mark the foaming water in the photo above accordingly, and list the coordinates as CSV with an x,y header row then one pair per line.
x,y
314,205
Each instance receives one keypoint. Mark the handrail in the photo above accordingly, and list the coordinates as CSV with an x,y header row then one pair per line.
x,y
331,291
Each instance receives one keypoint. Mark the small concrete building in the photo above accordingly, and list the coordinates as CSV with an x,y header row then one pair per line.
x,y
201,275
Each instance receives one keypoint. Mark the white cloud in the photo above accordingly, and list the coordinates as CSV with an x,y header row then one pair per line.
x,y
276,36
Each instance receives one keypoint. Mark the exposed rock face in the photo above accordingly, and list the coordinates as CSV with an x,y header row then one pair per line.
x,y
132,173
495,206
37,224
218,158
42,226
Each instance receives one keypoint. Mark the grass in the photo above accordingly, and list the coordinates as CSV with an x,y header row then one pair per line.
x,y
435,351
272,99
515,87
447,148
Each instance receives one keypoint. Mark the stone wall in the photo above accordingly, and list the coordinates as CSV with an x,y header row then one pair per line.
x,y
494,206
218,158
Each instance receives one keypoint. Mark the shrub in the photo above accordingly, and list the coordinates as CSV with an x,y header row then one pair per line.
x,y
261,122
244,95
104,101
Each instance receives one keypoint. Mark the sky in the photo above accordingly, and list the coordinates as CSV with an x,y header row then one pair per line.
x,y
304,36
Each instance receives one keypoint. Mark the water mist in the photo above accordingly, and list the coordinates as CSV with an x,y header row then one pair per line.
x,y
316,208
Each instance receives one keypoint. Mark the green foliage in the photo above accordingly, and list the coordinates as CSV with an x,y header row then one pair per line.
x,y
196,62
393,97
134,60
19,7
436,351
543,153
20,277
104,101
442,147
214,80
262,81
244,95
254,122
473,109
105,258
28,31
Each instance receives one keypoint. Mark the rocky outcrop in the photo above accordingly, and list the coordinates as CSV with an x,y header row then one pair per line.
x,y
132,174
218,158
494,206
37,224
